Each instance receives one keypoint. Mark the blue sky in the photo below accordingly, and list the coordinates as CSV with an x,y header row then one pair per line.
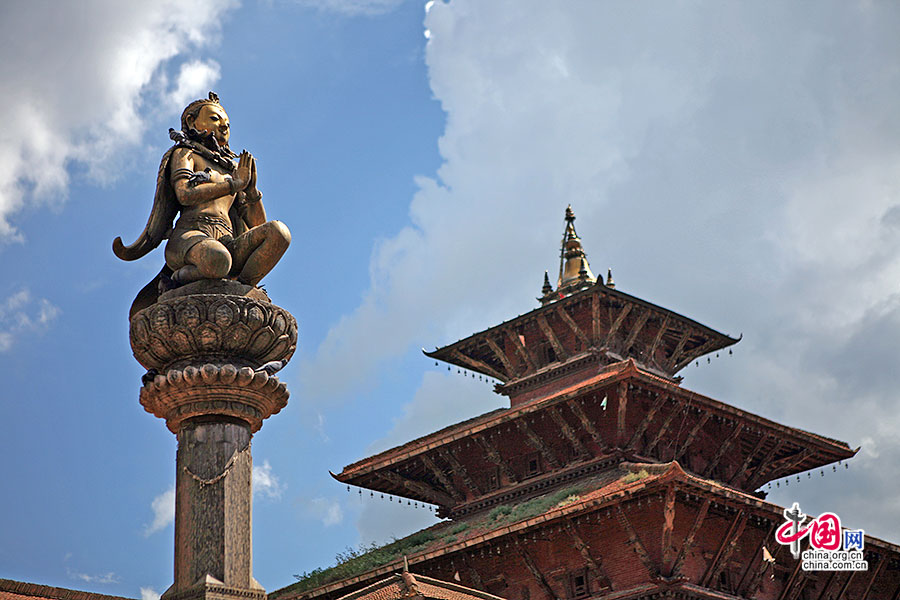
x,y
737,163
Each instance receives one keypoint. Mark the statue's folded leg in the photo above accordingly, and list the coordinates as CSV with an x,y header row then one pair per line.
x,y
194,255
256,251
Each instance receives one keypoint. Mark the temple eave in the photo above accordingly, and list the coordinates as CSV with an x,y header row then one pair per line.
x,y
635,483
594,318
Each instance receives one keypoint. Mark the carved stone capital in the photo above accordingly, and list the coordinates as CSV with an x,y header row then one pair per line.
x,y
226,391
212,322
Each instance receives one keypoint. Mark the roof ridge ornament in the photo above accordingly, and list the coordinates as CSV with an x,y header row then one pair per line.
x,y
574,269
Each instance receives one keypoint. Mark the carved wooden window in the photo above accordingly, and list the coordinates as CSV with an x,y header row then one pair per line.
x,y
489,480
725,581
578,584
547,353
533,465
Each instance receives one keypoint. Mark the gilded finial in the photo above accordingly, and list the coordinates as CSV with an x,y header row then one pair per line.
x,y
583,272
574,268
609,280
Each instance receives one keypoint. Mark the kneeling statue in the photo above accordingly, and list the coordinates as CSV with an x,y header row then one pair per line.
x,y
222,231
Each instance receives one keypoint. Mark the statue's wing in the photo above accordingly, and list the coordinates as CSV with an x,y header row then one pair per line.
x,y
165,208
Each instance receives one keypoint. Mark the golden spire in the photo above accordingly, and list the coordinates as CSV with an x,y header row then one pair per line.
x,y
573,264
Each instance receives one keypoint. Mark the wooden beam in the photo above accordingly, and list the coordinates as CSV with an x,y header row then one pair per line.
x,y
723,448
697,353
595,318
477,365
787,463
844,587
896,595
875,574
753,481
725,549
429,493
635,330
648,417
535,572
662,430
756,580
494,456
790,582
537,443
750,455
585,551
679,348
442,477
635,542
460,470
656,340
668,526
798,588
568,320
825,590
585,422
616,324
689,540
692,434
561,354
520,348
757,554
501,356
568,432
621,409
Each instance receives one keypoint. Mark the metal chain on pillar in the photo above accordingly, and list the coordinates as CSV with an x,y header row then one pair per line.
x,y
220,476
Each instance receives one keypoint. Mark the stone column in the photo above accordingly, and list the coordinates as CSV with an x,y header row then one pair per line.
x,y
204,345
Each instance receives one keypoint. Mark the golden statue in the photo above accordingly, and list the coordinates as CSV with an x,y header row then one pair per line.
x,y
222,231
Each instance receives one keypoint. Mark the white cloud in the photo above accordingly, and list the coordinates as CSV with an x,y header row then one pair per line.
x,y
443,399
320,427
85,97
265,482
326,510
193,76
102,578
737,163
353,8
20,315
149,594
163,512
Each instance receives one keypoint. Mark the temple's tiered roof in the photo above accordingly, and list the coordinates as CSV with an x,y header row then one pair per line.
x,y
747,450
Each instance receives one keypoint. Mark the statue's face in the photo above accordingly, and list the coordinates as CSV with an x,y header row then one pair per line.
x,y
213,119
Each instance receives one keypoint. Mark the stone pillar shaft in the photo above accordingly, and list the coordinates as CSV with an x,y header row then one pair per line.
x,y
213,504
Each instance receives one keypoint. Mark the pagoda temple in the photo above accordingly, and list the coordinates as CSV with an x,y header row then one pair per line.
x,y
605,477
